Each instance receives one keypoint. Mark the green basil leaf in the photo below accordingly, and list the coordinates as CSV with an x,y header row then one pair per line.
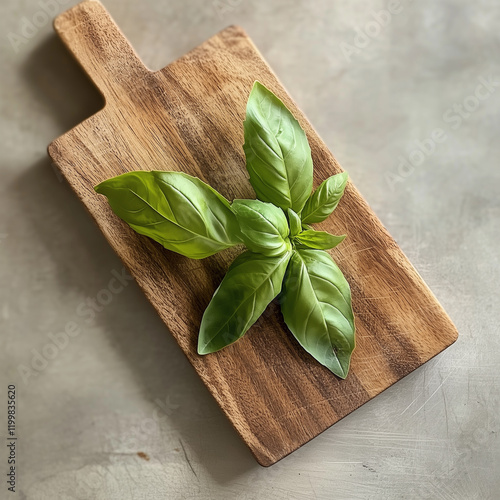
x,y
320,240
264,228
316,306
251,283
181,212
325,199
278,155
295,224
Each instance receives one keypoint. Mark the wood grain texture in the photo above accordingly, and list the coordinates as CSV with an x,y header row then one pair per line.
x,y
188,117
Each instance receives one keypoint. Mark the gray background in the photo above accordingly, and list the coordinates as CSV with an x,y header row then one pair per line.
x,y
123,386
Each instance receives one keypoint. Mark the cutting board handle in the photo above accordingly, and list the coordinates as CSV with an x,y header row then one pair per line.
x,y
100,47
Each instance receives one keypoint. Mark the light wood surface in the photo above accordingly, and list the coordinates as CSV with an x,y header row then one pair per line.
x,y
188,117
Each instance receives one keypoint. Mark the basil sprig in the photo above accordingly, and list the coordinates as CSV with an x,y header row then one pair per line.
x,y
316,306
181,212
264,228
285,256
251,283
277,151
325,199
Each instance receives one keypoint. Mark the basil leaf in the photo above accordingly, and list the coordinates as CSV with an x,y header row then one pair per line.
x,y
325,199
295,224
316,306
264,228
181,212
278,155
252,281
320,240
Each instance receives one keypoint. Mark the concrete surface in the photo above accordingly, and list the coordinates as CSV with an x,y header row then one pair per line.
x,y
122,386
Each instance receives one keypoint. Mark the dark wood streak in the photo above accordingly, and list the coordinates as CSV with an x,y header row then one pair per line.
x,y
188,117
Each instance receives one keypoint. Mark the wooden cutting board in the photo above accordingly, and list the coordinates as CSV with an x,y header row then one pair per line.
x,y
189,117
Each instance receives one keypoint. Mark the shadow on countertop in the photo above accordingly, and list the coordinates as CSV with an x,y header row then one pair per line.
x,y
59,83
